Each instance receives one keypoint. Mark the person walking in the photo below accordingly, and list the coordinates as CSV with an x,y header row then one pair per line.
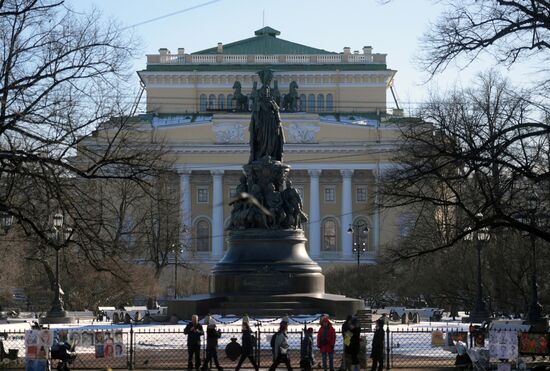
x,y
377,353
280,348
354,344
346,336
194,331
306,350
326,339
212,336
247,348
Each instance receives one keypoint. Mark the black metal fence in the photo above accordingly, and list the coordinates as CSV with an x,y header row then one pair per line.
x,y
165,348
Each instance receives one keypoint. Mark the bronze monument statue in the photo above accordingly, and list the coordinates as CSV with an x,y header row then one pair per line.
x,y
241,100
290,102
266,269
266,133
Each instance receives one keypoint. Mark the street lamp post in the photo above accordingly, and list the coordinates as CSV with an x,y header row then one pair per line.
x,y
534,316
480,312
359,246
177,249
59,237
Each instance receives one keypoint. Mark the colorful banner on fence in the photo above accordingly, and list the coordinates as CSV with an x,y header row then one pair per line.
x,y
533,343
38,343
108,345
503,344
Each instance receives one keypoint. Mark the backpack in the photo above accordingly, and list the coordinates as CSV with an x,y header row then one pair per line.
x,y
272,342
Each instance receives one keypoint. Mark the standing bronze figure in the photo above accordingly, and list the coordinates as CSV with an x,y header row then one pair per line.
x,y
266,132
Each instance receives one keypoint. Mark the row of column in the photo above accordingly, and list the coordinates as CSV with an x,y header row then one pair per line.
x,y
346,218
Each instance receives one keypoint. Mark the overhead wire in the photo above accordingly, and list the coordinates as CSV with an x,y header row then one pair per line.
x,y
170,14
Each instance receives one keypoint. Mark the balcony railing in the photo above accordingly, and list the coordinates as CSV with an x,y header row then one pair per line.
x,y
167,58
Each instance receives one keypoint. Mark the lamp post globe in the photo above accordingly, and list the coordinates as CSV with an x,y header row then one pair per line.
x,y
359,231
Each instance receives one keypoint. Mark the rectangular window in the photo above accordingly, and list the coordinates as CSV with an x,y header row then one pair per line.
x,y
330,194
407,223
202,195
232,192
361,193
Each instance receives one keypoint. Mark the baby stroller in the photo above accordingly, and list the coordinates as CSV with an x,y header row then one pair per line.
x,y
64,353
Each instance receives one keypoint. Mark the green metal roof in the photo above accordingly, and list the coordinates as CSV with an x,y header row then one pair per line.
x,y
265,42
256,67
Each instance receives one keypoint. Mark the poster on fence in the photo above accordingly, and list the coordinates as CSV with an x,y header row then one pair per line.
x,y
87,338
108,345
437,339
503,344
38,343
533,343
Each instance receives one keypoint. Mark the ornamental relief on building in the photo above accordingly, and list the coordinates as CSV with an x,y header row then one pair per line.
x,y
302,133
227,133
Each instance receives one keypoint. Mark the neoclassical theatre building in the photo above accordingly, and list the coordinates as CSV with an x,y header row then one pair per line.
x,y
339,137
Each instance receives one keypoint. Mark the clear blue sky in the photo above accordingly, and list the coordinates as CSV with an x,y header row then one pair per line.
x,y
393,28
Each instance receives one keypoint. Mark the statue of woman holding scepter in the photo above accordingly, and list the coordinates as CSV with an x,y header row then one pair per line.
x,y
266,132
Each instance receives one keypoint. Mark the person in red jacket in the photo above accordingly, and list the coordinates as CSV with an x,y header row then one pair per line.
x,y
326,338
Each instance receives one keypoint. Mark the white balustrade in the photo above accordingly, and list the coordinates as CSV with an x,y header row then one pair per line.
x,y
266,59
357,58
235,58
203,59
297,58
329,58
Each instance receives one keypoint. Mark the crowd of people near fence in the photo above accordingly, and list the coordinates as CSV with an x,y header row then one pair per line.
x,y
324,341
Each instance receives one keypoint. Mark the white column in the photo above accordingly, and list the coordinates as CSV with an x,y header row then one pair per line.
x,y
217,214
347,217
376,214
314,214
185,208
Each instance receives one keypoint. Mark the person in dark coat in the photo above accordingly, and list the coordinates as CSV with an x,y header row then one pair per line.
x,y
345,355
212,336
194,331
248,345
354,344
377,353
306,350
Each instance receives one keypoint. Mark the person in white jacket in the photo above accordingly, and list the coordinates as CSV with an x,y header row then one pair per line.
x,y
280,348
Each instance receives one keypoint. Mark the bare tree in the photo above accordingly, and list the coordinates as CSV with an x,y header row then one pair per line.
x,y
63,93
62,90
510,30
477,151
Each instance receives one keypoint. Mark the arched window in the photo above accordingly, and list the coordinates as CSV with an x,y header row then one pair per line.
x,y
302,103
361,234
202,235
211,101
311,103
230,102
330,103
320,102
221,101
330,237
203,103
